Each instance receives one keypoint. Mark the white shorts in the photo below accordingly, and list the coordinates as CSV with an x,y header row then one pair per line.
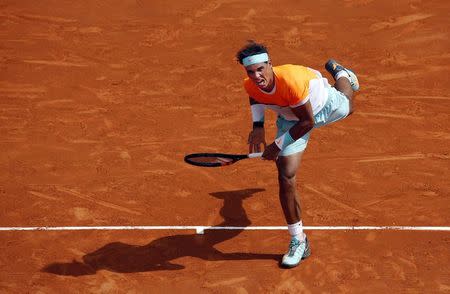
x,y
336,108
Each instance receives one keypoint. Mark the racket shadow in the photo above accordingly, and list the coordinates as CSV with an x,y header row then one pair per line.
x,y
160,253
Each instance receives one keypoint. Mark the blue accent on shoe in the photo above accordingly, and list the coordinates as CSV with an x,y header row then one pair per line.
x,y
298,250
333,67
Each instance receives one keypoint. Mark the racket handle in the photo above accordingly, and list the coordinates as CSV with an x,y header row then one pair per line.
x,y
255,155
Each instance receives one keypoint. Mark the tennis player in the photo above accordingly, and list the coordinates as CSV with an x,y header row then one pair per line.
x,y
303,100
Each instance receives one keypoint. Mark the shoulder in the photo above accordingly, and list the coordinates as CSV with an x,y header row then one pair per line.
x,y
246,82
250,87
290,70
294,74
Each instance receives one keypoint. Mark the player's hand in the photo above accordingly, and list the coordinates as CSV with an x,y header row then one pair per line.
x,y
256,138
271,152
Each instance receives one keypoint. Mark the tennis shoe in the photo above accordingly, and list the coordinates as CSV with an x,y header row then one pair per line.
x,y
334,68
297,251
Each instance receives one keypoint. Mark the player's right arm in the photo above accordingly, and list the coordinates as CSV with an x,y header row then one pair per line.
x,y
256,138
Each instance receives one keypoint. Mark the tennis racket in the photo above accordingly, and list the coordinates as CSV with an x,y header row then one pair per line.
x,y
217,159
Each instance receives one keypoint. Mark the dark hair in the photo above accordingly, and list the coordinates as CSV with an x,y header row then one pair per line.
x,y
252,48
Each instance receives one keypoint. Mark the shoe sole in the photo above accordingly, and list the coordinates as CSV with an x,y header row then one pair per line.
x,y
354,78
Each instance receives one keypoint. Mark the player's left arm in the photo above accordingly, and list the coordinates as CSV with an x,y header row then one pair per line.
x,y
306,121
305,124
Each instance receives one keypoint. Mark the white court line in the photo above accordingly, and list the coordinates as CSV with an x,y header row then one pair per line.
x,y
201,229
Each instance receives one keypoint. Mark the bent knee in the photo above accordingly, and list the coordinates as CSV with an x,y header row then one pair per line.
x,y
287,178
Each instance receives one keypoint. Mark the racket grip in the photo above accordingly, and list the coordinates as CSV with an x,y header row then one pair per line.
x,y
255,155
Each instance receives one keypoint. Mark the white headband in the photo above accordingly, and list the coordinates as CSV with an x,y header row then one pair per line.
x,y
258,58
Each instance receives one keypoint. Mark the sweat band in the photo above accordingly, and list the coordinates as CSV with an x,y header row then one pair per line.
x,y
258,124
258,58
258,112
284,140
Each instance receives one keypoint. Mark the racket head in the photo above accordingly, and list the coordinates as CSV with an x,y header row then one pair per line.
x,y
212,159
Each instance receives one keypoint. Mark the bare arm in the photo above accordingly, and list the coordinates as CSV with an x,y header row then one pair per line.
x,y
306,121
256,137
303,126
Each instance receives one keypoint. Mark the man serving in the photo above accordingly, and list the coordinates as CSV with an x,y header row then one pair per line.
x,y
303,100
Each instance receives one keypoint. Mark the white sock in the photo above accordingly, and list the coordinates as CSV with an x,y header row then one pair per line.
x,y
296,230
342,73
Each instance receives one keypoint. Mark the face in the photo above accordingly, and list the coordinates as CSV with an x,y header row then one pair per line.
x,y
261,74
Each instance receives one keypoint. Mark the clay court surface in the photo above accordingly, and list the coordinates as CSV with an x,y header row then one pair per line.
x,y
100,101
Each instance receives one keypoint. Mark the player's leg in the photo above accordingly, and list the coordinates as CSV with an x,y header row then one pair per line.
x,y
287,170
343,85
298,247
288,164
346,80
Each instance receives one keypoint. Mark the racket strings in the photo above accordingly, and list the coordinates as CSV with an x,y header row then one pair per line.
x,y
213,159
205,159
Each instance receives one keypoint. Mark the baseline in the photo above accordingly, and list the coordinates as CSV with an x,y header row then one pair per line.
x,y
201,229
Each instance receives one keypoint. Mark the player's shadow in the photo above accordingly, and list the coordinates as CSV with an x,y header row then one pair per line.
x,y
160,253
